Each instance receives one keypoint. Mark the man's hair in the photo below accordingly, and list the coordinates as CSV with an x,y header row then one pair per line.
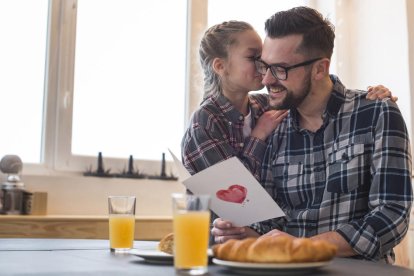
x,y
318,33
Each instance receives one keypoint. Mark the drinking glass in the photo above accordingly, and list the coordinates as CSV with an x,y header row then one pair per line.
x,y
191,220
121,223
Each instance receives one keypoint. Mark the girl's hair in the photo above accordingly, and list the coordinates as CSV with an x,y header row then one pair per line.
x,y
215,44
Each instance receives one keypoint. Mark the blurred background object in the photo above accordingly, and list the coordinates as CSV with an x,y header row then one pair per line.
x,y
12,190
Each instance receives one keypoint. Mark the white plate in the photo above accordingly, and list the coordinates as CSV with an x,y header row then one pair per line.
x,y
156,256
152,255
282,268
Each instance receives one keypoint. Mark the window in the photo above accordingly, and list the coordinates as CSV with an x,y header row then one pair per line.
x,y
129,83
114,76
22,67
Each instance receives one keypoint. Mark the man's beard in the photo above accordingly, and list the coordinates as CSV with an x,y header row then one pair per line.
x,y
291,100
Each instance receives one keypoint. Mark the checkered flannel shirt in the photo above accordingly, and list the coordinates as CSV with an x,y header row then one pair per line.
x,y
352,176
215,133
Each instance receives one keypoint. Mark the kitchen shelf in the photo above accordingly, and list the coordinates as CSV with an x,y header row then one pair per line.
x,y
78,227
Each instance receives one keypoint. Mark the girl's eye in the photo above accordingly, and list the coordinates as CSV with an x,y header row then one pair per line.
x,y
253,58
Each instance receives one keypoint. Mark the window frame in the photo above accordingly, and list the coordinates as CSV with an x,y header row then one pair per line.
x,y
56,156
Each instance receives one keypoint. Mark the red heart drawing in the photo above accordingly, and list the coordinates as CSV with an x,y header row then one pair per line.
x,y
235,193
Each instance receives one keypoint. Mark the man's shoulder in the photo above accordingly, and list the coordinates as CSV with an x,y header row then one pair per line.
x,y
356,99
362,112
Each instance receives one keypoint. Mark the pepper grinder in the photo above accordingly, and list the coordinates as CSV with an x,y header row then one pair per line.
x,y
11,191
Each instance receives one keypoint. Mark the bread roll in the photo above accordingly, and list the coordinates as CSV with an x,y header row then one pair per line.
x,y
268,249
166,244
303,250
275,249
222,251
324,250
239,248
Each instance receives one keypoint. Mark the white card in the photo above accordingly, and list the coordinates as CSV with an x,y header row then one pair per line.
x,y
183,174
235,194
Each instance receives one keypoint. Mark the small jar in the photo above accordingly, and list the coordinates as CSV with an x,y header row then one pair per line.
x,y
11,197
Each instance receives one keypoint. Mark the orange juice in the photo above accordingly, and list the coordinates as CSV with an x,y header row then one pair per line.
x,y
191,232
121,231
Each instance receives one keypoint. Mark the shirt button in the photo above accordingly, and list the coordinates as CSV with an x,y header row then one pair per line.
x,y
224,136
230,123
241,117
241,144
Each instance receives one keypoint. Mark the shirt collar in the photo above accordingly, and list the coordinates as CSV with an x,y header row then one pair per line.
x,y
337,98
335,102
231,113
227,108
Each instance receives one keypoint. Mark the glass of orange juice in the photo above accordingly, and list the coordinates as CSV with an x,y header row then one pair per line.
x,y
121,223
191,224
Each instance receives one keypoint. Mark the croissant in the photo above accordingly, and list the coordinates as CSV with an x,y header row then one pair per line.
x,y
166,244
275,249
231,249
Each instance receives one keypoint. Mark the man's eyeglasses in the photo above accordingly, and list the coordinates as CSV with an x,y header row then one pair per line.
x,y
278,71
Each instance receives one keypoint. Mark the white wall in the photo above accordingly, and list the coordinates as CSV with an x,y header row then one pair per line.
x,y
375,51
78,195
410,27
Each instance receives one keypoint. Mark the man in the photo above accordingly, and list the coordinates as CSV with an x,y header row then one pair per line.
x,y
339,165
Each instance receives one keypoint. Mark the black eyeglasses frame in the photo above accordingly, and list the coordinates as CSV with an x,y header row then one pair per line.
x,y
274,67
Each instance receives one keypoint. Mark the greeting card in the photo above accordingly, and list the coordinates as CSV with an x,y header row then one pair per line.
x,y
235,194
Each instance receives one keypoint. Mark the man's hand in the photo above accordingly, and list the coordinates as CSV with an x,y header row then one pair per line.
x,y
224,230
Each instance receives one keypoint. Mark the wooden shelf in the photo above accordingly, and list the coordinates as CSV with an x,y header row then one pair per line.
x,y
77,227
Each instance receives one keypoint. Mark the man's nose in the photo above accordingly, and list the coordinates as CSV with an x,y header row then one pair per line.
x,y
268,78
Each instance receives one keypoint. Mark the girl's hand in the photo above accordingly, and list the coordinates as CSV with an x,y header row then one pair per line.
x,y
267,123
380,92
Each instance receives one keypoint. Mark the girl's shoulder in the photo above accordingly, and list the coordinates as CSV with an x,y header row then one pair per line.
x,y
208,111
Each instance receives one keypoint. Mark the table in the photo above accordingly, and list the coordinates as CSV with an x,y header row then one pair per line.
x,y
92,257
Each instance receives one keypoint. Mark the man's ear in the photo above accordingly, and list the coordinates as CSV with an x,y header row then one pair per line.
x,y
218,66
321,68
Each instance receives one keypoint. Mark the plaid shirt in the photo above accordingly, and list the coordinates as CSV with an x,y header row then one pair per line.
x,y
352,176
215,134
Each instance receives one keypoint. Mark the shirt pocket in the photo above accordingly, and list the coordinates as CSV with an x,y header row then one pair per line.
x,y
287,170
287,177
348,169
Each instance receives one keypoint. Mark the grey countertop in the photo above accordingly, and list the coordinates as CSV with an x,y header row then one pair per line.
x,y
92,257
